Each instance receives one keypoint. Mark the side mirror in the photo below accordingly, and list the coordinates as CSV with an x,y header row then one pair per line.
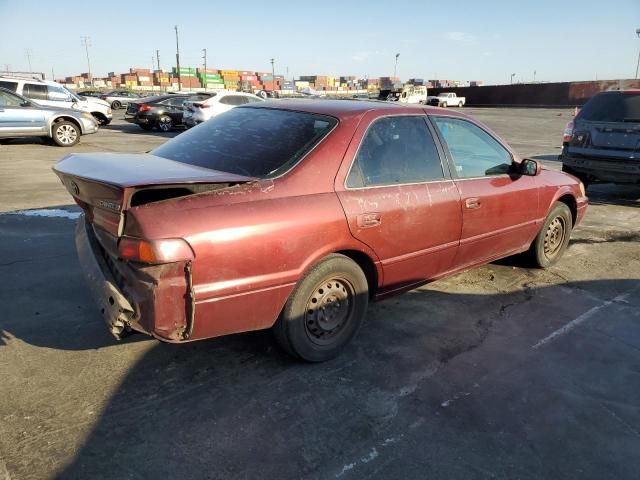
x,y
530,167
26,103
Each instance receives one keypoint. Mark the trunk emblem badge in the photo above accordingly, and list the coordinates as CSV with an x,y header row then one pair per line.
x,y
74,187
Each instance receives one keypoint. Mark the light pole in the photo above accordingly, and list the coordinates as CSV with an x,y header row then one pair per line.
x,y
178,59
86,41
395,68
273,74
511,81
638,62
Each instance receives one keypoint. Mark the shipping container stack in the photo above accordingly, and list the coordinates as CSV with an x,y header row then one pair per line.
x,y
188,77
161,79
211,79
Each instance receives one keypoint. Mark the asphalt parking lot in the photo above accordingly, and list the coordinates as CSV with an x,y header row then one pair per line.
x,y
500,372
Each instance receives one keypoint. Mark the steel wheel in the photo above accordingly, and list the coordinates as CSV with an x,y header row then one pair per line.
x,y
328,310
325,310
165,124
554,237
65,134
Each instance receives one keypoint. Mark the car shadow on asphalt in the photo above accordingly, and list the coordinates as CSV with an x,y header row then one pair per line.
x,y
137,130
238,407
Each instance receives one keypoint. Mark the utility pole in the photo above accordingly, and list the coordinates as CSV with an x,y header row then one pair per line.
x,y
86,41
27,52
395,69
153,63
273,73
204,57
178,58
53,77
638,62
158,59
511,80
534,76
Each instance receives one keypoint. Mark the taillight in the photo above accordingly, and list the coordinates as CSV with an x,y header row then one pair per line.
x,y
202,105
143,107
166,250
568,132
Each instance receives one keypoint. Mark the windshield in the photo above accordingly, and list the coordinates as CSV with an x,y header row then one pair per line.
x,y
612,107
255,142
76,97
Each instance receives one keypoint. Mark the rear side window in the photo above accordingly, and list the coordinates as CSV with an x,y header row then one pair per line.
x,y
255,142
611,107
35,91
396,150
233,100
13,86
8,100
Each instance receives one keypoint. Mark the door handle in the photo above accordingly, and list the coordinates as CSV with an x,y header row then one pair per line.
x,y
472,203
368,220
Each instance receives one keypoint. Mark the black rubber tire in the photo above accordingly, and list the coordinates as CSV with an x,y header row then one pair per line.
x,y
101,119
460,105
165,123
443,105
115,105
145,126
543,259
292,329
72,136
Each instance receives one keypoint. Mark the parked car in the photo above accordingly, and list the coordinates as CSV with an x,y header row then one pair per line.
x,y
295,214
602,143
164,112
200,110
119,98
52,94
90,93
21,117
447,99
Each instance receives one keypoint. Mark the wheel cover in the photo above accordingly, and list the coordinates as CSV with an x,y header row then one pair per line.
x,y
554,237
66,134
165,124
329,308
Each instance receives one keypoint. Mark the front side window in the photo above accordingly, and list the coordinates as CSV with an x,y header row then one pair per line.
x,y
473,151
35,91
396,150
8,100
254,142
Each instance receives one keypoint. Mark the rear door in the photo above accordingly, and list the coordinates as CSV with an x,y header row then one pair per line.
x,y
499,208
399,199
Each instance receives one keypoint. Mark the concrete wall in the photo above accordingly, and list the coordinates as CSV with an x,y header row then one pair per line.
x,y
562,94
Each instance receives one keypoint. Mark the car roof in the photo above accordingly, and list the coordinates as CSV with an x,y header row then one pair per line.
x,y
347,108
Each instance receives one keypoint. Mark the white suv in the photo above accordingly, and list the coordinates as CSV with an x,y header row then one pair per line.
x,y
199,111
46,92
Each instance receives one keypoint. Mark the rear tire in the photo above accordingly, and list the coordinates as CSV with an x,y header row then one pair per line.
x,y
115,105
165,124
553,238
65,134
325,310
460,105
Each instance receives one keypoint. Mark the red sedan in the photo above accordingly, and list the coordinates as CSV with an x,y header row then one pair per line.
x,y
295,214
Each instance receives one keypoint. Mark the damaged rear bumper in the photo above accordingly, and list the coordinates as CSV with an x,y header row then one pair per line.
x,y
116,310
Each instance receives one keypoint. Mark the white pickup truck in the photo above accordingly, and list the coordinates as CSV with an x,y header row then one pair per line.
x,y
447,100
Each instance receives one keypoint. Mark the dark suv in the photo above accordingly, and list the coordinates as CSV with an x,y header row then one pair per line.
x,y
603,142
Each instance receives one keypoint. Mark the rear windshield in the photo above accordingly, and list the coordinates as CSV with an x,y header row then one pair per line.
x,y
256,142
612,107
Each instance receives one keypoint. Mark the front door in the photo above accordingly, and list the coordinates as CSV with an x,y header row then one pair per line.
x,y
18,119
499,206
400,201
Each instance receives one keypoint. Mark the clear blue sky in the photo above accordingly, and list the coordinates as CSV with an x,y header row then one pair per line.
x,y
463,40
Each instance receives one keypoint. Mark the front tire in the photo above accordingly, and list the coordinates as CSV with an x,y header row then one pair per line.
x,y
165,124
553,238
325,310
65,134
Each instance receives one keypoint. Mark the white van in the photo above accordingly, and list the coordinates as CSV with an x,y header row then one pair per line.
x,y
413,94
46,92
